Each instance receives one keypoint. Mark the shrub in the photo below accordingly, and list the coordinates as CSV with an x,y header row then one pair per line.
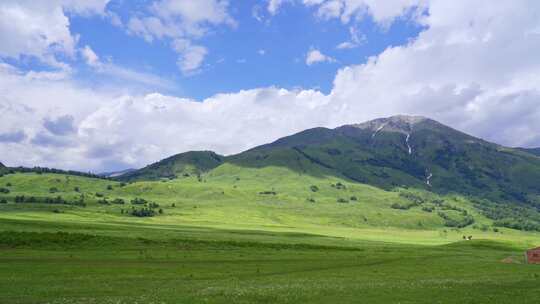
x,y
427,209
449,222
353,198
139,201
342,200
143,212
103,202
399,206
415,199
338,186
109,187
77,189
311,200
8,185
118,201
99,194
268,192
53,190
314,188
4,190
3,201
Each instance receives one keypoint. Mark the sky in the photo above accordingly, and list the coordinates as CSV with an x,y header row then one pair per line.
x,y
104,85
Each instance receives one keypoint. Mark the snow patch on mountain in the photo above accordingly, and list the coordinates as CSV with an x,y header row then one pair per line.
x,y
428,179
407,142
378,129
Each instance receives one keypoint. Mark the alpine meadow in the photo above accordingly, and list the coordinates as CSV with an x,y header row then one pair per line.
x,y
213,151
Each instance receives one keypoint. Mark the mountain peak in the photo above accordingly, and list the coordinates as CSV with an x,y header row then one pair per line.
x,y
397,123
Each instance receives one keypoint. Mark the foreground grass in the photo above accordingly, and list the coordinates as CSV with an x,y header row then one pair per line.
x,y
221,241
78,268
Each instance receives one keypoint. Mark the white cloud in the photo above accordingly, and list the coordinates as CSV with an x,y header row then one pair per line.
x,y
192,56
356,40
314,56
382,12
90,56
182,22
111,131
274,5
41,28
194,14
129,75
474,67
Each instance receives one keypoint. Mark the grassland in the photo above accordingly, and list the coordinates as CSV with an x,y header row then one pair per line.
x,y
252,236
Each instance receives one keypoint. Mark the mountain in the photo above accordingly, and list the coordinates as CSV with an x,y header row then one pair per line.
x,y
535,151
116,173
3,169
183,164
409,151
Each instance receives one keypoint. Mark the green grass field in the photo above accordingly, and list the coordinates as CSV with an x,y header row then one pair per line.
x,y
252,236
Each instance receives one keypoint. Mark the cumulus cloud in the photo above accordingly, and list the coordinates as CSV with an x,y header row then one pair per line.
x,y
355,41
314,56
181,22
274,5
469,68
473,67
62,125
382,12
13,137
191,56
41,28
90,57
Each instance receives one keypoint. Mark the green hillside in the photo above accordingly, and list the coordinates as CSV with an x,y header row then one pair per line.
x,y
408,151
387,153
180,165
346,212
390,153
245,235
270,198
535,151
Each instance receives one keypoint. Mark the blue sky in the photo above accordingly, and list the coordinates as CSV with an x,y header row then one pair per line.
x,y
260,50
104,85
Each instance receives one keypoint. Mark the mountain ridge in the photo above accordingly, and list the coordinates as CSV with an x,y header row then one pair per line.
x,y
397,151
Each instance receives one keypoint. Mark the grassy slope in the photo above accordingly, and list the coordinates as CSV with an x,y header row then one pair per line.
x,y
188,163
229,197
224,242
